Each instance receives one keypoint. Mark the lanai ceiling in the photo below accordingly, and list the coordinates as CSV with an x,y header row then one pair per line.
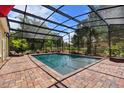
x,y
57,21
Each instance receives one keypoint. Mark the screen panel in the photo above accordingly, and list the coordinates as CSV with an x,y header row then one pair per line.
x,y
58,18
117,40
34,9
116,13
15,16
74,10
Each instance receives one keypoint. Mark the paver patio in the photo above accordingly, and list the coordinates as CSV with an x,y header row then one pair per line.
x,y
22,72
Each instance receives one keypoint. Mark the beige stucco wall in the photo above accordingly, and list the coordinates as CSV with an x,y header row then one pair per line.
x,y
3,39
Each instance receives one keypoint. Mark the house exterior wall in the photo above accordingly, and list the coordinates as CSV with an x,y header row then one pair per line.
x,y
3,39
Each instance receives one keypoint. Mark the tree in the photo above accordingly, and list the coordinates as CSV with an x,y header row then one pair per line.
x,y
89,36
34,40
117,40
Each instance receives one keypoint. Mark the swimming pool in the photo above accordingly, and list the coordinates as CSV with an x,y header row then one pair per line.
x,y
65,63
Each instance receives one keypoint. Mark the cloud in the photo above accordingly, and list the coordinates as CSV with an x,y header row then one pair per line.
x,y
72,34
13,15
39,10
14,25
33,9
20,7
66,37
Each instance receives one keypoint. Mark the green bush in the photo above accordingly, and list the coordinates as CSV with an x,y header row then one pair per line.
x,y
106,52
72,48
19,45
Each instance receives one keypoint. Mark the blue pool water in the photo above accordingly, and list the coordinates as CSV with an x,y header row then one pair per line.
x,y
63,63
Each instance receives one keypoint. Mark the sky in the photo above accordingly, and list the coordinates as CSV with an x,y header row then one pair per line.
x,y
72,10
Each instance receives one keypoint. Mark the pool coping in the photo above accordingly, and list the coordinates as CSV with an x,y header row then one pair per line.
x,y
56,74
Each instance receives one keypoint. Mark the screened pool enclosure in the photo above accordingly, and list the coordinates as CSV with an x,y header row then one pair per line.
x,y
80,29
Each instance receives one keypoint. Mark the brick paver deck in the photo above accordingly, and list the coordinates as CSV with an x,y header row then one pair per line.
x,y
22,72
